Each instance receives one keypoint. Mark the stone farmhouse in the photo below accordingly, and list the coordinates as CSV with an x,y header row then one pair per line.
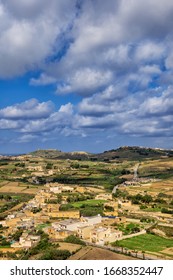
x,y
26,241
104,235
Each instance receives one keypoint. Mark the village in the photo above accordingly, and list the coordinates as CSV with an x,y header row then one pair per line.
x,y
95,229
95,215
42,210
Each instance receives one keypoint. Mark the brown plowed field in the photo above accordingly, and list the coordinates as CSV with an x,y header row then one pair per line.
x,y
93,253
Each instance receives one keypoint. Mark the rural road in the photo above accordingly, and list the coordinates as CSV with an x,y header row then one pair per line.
x,y
136,171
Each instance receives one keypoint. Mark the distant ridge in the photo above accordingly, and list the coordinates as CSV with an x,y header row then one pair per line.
x,y
53,153
125,152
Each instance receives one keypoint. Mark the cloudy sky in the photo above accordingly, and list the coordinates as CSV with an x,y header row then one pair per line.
x,y
85,74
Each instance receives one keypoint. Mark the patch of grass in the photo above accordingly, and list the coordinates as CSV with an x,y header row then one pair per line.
x,y
156,209
129,228
146,242
41,226
92,202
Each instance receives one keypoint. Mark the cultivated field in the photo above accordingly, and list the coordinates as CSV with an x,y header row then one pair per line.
x,y
12,187
69,246
93,253
147,243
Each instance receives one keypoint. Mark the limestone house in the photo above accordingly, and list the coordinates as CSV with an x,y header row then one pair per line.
x,y
49,208
80,226
104,196
26,223
12,222
11,216
26,241
56,189
52,211
84,231
103,235
41,217
68,224
75,214
56,235
31,204
67,189
92,220
109,221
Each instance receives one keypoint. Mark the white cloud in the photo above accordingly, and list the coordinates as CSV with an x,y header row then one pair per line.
x,y
67,109
29,32
159,105
26,138
149,51
43,80
116,56
84,81
30,109
9,124
25,8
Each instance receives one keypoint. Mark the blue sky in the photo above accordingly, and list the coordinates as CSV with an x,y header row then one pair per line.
x,y
85,75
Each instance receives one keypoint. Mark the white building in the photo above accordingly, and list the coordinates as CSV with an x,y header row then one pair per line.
x,y
102,235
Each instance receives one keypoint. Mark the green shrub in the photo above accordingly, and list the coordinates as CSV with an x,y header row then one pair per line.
x,y
74,239
53,254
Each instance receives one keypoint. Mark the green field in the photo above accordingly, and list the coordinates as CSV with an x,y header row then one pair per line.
x,y
41,226
146,242
90,202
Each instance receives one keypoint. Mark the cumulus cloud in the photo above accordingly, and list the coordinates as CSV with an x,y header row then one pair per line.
x,y
43,80
116,57
29,32
25,8
26,138
32,118
30,109
159,105
86,81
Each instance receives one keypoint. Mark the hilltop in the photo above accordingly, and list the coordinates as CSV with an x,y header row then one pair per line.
x,y
134,153
125,152
57,154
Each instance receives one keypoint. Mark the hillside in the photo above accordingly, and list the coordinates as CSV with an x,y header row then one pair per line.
x,y
126,152
57,154
134,153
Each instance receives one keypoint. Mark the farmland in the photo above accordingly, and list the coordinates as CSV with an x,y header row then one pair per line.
x,y
131,184
147,242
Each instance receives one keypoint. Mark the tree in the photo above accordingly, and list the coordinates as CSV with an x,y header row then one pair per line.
x,y
147,198
49,165
17,235
74,239
54,254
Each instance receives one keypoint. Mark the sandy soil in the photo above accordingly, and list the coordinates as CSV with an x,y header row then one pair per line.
x,y
68,246
93,253
168,251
